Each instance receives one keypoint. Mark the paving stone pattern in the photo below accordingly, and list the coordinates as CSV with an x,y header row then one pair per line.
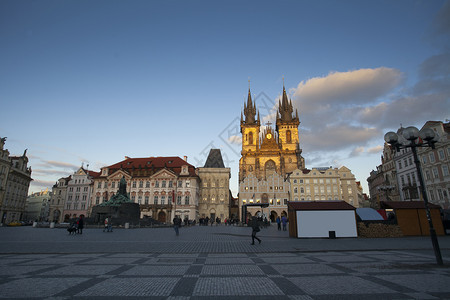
x,y
330,275
215,263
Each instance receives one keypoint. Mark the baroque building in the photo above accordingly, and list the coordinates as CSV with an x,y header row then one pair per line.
x,y
164,187
15,178
268,156
78,195
37,206
436,165
214,201
58,199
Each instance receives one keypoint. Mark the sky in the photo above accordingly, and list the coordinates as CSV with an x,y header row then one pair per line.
x,y
90,82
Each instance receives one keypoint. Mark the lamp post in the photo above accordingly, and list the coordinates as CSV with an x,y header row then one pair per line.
x,y
409,138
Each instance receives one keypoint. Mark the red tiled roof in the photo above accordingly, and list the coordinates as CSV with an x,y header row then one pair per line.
x,y
319,205
94,174
406,204
173,163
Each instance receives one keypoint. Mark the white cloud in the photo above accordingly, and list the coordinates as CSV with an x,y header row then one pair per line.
x,y
235,139
343,88
357,151
376,149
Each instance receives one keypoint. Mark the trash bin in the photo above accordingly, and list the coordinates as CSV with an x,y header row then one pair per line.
x,y
52,225
127,225
34,224
332,234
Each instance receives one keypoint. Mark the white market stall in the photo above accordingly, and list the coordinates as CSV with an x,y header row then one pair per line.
x,y
320,219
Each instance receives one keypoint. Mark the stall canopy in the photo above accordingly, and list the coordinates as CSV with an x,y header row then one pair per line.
x,y
368,214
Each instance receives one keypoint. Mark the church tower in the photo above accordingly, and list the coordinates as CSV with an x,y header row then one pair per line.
x,y
287,128
272,151
250,127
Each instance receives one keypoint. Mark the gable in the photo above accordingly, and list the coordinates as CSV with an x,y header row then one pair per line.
x,y
164,173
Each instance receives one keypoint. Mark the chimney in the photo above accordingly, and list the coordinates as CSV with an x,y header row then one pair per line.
x,y
185,158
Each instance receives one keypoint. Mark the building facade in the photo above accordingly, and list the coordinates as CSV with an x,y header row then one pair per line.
x,y
435,165
15,178
268,157
78,195
214,201
164,187
58,199
324,184
37,206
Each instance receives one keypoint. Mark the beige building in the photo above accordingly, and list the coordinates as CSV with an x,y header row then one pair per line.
x,y
321,184
15,178
214,198
267,157
162,186
37,206
58,199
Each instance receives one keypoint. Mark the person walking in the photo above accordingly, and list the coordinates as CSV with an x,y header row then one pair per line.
x,y
284,222
80,224
106,225
176,225
255,229
278,223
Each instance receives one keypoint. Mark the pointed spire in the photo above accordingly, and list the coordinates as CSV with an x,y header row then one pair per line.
x,y
249,109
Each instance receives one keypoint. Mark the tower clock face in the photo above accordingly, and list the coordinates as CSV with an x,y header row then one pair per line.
x,y
269,136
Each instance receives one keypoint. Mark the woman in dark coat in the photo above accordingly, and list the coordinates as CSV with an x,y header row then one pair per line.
x,y
255,229
80,224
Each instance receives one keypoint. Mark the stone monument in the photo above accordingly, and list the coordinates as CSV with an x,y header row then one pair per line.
x,y
120,209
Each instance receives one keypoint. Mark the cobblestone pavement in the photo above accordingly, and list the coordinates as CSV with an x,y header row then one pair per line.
x,y
215,263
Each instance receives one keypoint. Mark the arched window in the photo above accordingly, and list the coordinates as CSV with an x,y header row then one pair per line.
x,y
270,167
288,136
250,138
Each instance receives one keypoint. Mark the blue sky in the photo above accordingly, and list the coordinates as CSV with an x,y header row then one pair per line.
x,y
93,81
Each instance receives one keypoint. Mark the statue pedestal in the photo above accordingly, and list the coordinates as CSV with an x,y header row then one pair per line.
x,y
119,215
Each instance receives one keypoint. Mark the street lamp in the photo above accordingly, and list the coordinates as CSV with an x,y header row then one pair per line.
x,y
411,138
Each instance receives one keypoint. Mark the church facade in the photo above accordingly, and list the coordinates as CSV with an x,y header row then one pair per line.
x,y
268,156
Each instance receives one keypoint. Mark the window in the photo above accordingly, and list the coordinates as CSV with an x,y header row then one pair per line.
x,y
424,159
134,184
188,183
399,164
146,199
321,180
432,158
170,183
402,178
139,200
410,161
441,154
99,186
84,197
157,183
147,184
445,170
349,190
295,191
106,185
133,198
322,189
163,200
180,183
155,200
186,200
179,200
315,180
113,184
285,201
169,199
405,162
439,194
435,173
301,180
295,180
302,190
316,189
97,200
427,175
141,184
163,184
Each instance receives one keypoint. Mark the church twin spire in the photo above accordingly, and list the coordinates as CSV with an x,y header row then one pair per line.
x,y
285,109
250,111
